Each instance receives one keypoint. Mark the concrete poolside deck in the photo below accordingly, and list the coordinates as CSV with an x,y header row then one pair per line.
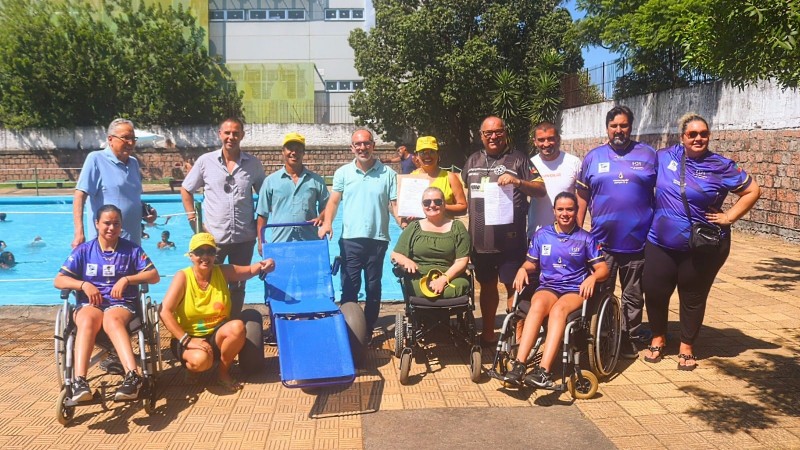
x,y
744,394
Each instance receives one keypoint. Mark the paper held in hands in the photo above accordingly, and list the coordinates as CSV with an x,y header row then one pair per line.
x,y
498,204
409,198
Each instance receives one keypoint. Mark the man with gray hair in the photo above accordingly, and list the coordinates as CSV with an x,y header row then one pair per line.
x,y
111,176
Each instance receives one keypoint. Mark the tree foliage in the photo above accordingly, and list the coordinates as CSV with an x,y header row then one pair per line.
x,y
66,64
440,66
669,43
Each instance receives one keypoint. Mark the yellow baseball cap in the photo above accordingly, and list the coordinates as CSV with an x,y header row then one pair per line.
x,y
424,285
201,239
427,143
294,137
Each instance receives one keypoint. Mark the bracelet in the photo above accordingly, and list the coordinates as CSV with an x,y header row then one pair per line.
x,y
185,340
81,288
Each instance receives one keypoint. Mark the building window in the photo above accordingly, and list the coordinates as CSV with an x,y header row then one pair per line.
x,y
344,14
258,14
343,85
236,14
277,14
216,16
297,14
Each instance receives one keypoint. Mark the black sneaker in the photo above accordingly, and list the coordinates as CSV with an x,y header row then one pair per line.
x,y
80,390
514,376
129,390
628,348
541,378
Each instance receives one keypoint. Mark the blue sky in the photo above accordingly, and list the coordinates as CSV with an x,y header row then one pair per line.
x,y
592,56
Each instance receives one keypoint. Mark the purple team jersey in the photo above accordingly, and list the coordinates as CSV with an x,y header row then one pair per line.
x,y
564,258
709,178
88,262
621,187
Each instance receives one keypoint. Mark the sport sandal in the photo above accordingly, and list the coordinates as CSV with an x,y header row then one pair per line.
x,y
654,349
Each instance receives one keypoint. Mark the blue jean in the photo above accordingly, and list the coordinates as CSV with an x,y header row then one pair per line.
x,y
363,254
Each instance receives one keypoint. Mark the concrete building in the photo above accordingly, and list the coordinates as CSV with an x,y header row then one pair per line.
x,y
290,57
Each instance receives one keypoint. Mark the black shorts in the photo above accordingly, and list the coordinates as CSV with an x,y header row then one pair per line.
x,y
558,294
210,338
490,266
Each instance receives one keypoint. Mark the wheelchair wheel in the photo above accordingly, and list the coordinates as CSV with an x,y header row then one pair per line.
x,y
475,366
606,331
251,357
399,334
405,365
149,396
60,340
153,338
357,331
582,389
64,413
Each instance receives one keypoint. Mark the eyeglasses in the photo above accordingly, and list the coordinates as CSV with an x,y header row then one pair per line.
x,y
436,201
362,144
130,140
230,181
694,134
489,133
201,252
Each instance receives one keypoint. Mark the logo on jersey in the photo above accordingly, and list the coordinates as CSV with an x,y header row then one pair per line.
x,y
91,270
673,165
621,179
637,165
546,249
603,167
499,170
702,174
575,251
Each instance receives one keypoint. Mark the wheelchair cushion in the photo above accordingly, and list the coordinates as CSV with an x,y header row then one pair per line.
x,y
440,302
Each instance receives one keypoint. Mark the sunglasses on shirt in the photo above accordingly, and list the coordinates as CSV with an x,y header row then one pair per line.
x,y
229,182
436,201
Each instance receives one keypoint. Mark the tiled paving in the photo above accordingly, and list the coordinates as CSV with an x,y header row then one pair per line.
x,y
744,394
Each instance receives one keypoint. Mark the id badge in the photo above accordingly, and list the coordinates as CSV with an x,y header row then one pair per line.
x,y
484,182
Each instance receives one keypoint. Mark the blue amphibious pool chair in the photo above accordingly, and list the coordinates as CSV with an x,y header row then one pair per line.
x,y
318,341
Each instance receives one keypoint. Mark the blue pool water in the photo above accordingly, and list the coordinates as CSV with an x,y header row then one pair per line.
x,y
31,281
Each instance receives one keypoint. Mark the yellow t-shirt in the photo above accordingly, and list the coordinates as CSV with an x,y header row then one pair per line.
x,y
441,181
201,311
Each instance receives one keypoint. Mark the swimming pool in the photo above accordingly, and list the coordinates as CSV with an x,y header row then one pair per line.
x,y
30,282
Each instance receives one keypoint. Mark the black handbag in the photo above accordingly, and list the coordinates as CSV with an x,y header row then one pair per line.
x,y
703,237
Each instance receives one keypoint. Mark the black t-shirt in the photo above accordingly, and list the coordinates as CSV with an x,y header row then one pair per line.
x,y
497,238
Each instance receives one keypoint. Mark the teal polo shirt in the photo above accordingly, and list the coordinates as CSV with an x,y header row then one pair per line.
x,y
365,200
283,201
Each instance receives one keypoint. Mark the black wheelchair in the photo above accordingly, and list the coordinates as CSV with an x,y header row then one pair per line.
x,y
144,326
595,328
423,316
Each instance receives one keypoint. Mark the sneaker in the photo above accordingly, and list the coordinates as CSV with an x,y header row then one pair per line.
x,y
80,390
514,376
541,378
628,349
129,390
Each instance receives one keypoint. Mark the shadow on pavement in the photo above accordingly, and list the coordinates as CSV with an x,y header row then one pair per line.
x,y
779,274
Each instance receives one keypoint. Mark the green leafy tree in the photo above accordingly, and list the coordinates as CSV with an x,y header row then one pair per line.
x,y
65,64
671,43
440,66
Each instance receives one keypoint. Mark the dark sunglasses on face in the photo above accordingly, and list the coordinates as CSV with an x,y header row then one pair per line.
x,y
201,252
694,134
436,201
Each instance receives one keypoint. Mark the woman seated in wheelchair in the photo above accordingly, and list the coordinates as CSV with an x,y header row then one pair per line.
x,y
197,308
436,243
564,252
105,272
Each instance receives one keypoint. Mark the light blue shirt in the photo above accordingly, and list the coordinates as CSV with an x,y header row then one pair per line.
x,y
283,201
365,200
109,181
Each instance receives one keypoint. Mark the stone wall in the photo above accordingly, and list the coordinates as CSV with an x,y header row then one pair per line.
x,y
758,127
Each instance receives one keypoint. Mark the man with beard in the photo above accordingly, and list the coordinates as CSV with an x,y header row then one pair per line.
x,y
365,188
497,250
616,184
292,194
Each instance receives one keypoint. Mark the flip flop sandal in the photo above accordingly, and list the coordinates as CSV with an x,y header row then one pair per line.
x,y
653,349
231,385
687,358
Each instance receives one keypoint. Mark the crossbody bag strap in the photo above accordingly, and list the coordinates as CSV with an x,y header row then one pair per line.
x,y
683,188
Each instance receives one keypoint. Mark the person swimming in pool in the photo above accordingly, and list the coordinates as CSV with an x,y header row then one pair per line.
x,y
165,243
7,260
37,242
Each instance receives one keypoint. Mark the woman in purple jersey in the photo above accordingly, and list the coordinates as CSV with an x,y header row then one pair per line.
x,y
669,260
105,272
564,252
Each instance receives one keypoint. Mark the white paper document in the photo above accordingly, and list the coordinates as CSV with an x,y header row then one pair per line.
x,y
409,197
498,204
